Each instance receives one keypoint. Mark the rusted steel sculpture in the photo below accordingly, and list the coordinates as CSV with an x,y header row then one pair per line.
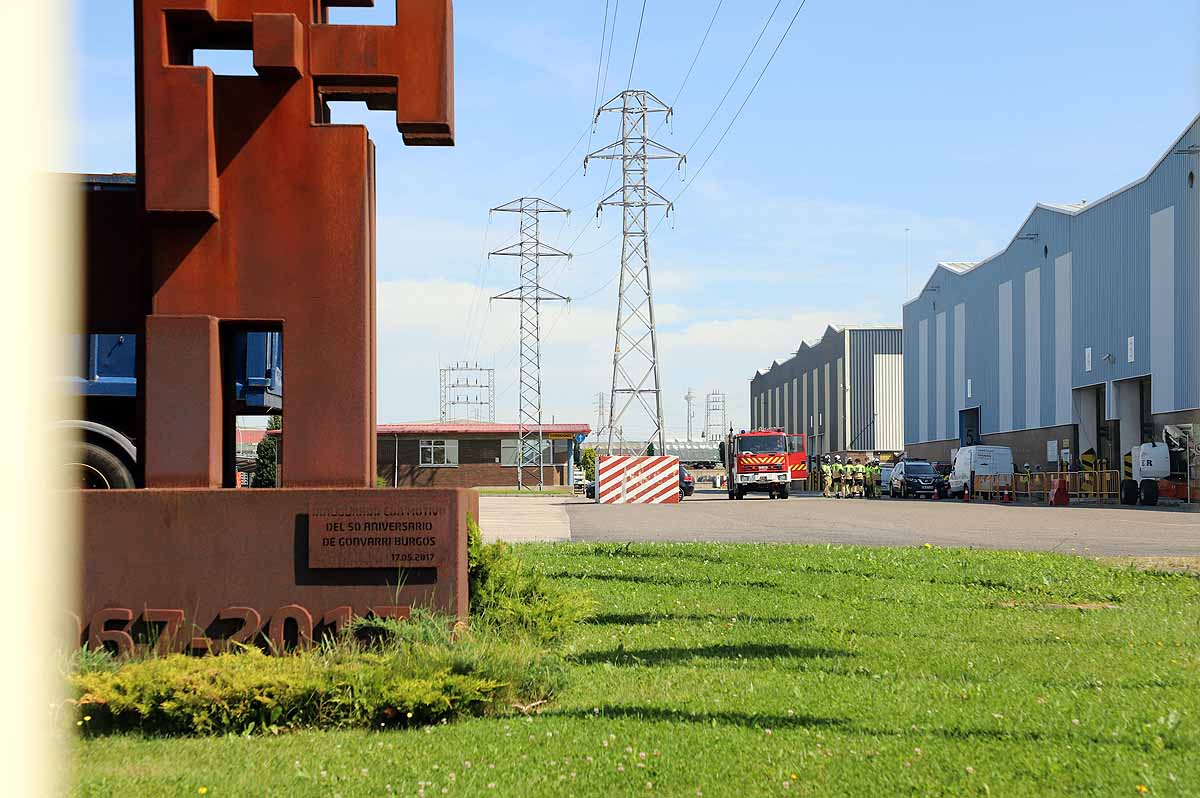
x,y
260,212
255,212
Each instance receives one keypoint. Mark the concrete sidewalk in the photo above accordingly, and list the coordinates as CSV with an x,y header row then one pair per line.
x,y
526,519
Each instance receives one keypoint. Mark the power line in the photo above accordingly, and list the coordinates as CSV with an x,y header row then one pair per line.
x,y
738,76
636,42
612,34
696,57
729,127
570,152
599,65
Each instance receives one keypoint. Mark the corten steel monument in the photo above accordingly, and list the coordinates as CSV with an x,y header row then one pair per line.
x,y
259,212
256,213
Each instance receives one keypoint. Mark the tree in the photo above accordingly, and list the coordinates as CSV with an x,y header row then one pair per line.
x,y
266,471
650,449
587,461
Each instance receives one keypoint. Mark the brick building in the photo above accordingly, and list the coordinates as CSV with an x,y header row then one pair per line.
x,y
469,454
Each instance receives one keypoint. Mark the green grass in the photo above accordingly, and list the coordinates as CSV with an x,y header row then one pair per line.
x,y
774,670
534,492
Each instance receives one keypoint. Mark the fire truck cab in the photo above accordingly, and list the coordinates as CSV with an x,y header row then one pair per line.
x,y
764,461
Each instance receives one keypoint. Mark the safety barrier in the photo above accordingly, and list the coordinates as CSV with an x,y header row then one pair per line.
x,y
637,480
1101,486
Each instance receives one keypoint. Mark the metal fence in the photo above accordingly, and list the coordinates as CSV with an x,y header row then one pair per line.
x,y
1099,486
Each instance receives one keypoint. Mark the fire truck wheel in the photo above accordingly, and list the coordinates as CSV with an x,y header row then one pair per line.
x,y
741,494
784,492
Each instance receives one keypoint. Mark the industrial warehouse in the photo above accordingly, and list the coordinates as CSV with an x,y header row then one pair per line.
x,y
844,392
1078,341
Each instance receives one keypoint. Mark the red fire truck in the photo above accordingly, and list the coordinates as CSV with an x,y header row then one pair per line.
x,y
764,461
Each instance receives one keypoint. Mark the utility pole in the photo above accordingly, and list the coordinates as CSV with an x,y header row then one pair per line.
x,y
635,352
600,397
530,294
473,388
714,416
689,398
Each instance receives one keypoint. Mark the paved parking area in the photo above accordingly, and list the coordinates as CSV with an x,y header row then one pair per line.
x,y
709,516
525,519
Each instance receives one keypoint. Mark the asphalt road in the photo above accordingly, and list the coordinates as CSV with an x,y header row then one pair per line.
x,y
709,516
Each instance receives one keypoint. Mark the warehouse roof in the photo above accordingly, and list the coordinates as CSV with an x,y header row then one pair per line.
x,y
1067,208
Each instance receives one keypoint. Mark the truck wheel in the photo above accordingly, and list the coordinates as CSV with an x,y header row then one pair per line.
x,y
94,467
1129,492
1148,493
741,494
784,492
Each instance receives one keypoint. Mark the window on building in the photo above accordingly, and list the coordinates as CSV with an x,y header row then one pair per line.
x,y
510,451
1087,359
439,453
969,388
1129,355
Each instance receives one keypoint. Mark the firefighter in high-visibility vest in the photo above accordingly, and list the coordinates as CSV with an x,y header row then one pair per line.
x,y
826,477
838,474
860,477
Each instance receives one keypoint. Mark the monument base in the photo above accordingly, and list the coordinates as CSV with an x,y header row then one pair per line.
x,y
199,569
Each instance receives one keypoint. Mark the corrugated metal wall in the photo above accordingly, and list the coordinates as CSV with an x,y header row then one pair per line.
x,y
828,390
1102,255
866,414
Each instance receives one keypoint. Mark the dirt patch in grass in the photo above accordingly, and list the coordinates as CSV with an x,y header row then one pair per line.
x,y
1175,565
1079,606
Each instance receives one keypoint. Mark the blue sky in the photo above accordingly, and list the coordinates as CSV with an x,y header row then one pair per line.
x,y
949,119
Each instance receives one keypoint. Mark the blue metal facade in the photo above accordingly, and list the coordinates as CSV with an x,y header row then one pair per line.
x,y
1118,278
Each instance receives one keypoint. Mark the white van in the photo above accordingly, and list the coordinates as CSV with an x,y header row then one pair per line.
x,y
985,469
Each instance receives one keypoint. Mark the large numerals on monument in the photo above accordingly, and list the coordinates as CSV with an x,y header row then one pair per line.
x,y
122,630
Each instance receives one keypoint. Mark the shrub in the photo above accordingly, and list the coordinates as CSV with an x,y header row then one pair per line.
x,y
510,596
588,463
401,673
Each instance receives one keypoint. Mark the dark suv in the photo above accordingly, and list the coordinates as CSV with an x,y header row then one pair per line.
x,y
687,485
916,478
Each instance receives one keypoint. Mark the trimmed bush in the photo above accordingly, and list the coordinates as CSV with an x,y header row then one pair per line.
x,y
511,596
410,672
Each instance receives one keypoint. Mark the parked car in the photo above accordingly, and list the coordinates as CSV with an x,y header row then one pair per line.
x,y
916,478
984,469
885,477
687,485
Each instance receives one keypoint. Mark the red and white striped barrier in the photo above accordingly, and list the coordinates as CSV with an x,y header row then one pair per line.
x,y
637,480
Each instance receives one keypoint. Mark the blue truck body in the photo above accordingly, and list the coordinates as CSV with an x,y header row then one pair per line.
x,y
108,367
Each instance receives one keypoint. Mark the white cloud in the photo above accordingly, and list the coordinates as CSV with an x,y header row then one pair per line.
x,y
426,323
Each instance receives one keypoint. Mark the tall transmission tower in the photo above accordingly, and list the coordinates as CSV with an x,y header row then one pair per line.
x,y
600,401
714,416
636,376
689,398
470,388
530,294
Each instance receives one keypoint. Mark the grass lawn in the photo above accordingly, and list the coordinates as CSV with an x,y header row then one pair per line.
x,y
780,670
556,491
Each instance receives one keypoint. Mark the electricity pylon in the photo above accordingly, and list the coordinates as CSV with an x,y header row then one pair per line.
x,y
470,387
689,398
635,353
531,294
599,415
714,416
